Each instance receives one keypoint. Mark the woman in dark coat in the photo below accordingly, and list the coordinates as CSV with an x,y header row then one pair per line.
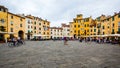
x,y
65,41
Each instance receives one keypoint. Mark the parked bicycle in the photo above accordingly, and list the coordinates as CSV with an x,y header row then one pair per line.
x,y
13,43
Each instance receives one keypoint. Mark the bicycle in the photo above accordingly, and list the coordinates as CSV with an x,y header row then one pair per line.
x,y
13,44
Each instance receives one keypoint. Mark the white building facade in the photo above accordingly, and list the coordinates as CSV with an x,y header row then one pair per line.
x,y
66,30
56,33
28,28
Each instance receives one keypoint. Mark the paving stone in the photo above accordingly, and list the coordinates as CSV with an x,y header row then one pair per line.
x,y
54,54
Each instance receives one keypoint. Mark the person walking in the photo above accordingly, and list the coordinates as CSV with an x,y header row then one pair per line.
x,y
14,41
65,41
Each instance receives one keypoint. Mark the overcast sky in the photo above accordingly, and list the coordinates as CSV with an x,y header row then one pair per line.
x,y
62,11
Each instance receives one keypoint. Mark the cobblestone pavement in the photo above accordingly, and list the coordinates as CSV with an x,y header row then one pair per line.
x,y
50,54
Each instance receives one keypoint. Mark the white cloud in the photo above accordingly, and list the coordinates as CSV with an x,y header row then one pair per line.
x,y
62,11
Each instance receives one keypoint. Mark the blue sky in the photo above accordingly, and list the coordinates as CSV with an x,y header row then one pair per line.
x,y
62,11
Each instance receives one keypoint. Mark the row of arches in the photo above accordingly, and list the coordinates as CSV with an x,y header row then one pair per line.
x,y
2,35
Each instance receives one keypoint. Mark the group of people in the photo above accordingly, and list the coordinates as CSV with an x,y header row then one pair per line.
x,y
101,40
15,40
98,40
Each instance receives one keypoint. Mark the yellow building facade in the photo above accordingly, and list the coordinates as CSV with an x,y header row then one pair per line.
x,y
3,22
80,27
99,27
40,28
16,25
105,26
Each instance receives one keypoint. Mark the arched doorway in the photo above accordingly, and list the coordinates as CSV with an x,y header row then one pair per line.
x,y
21,34
2,38
74,36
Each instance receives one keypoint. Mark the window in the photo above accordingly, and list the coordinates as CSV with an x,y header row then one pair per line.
x,y
11,22
4,10
47,23
75,21
2,20
78,34
39,28
0,9
39,32
31,26
85,25
20,19
103,33
78,25
112,18
34,22
118,23
113,24
103,27
20,25
119,15
87,19
68,30
28,21
91,30
28,31
75,31
35,28
118,29
74,25
78,21
11,29
44,33
11,17
87,30
94,30
31,31
112,30
28,26
84,20
78,31
34,31
39,23
45,28
98,31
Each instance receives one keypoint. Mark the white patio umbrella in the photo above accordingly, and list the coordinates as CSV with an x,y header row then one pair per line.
x,y
118,35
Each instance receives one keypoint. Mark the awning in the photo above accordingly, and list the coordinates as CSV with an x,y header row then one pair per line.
x,y
29,33
6,32
115,35
10,33
37,35
3,32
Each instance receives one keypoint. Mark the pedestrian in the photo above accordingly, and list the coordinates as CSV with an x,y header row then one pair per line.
x,y
65,41
14,41
19,40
